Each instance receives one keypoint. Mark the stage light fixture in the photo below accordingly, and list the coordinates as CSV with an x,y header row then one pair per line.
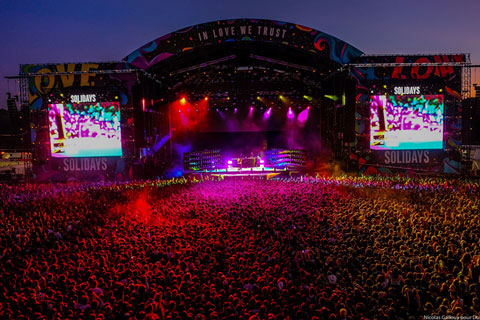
x,y
250,112
308,98
267,113
303,116
331,97
183,101
206,98
290,113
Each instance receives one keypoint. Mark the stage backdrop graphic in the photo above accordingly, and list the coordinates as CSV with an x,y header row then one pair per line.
x,y
226,31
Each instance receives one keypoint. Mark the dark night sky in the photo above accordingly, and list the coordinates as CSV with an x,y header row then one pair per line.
x,y
104,30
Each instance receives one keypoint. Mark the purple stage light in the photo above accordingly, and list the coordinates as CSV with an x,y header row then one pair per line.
x,y
290,113
303,116
159,144
229,162
222,115
267,113
262,161
250,112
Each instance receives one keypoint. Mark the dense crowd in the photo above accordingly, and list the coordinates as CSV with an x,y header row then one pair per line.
x,y
310,248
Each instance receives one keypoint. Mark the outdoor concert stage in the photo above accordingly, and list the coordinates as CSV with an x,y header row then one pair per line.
x,y
264,173
245,86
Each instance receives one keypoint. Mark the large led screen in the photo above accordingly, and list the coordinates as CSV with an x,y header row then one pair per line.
x,y
85,129
406,122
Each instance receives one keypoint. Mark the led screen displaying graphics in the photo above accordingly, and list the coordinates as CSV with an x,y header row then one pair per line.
x,y
85,129
405,122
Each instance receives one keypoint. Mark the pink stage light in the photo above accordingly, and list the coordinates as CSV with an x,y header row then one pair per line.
x,y
250,112
303,116
290,113
267,113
